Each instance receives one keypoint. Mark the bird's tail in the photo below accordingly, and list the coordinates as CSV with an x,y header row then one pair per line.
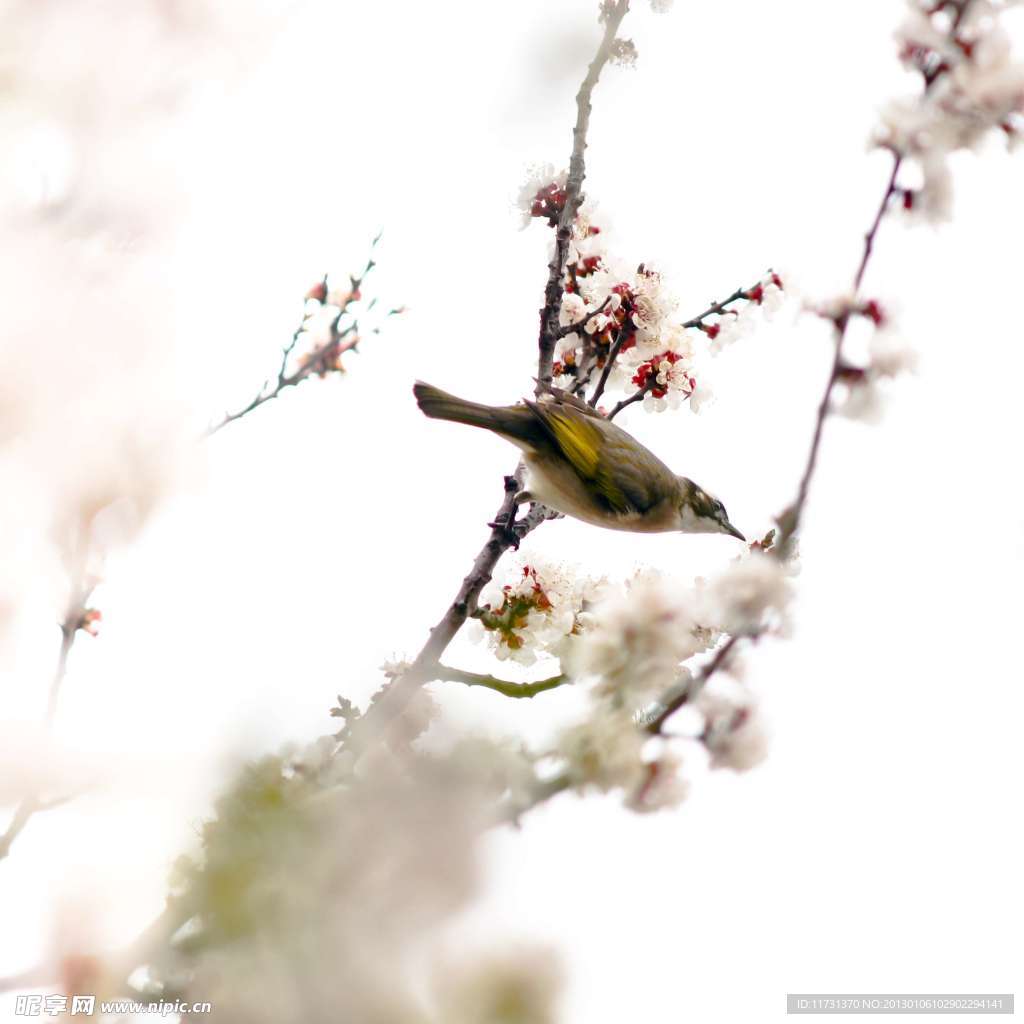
x,y
511,421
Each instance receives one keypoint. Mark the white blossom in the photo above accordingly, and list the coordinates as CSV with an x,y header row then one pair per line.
x,y
573,310
980,87
604,751
664,786
749,594
631,643
733,733
655,304
889,357
701,395
533,613
538,176
773,300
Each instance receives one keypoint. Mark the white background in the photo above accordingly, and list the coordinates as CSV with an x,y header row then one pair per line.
x,y
877,850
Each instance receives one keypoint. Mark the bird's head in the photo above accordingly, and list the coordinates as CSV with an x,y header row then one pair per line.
x,y
700,512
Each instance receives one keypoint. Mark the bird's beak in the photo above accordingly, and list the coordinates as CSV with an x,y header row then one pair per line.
x,y
732,531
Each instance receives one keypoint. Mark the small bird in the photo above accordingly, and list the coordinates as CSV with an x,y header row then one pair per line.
x,y
581,464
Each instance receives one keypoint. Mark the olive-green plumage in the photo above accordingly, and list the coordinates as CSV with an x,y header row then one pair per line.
x,y
583,465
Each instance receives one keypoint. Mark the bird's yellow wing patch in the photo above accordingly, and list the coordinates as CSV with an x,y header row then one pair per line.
x,y
581,442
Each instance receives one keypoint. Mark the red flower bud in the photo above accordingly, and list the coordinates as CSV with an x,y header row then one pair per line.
x,y
874,312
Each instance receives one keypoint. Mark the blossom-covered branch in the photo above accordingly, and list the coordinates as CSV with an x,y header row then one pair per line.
x,y
571,197
331,327
956,118
648,377
969,86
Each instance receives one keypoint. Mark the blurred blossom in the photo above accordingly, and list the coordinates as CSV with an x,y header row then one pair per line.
x,y
663,787
973,87
604,751
631,643
95,425
733,731
750,595
315,889
519,985
862,388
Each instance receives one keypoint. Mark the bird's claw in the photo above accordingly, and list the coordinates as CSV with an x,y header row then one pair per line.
x,y
508,529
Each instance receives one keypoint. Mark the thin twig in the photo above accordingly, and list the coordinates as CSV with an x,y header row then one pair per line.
x,y
717,308
503,686
613,354
637,396
33,803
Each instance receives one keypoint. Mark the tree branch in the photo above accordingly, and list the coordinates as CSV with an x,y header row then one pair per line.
x,y
549,326
504,686
613,354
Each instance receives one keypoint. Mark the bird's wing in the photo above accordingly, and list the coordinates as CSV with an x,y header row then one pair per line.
x,y
623,474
